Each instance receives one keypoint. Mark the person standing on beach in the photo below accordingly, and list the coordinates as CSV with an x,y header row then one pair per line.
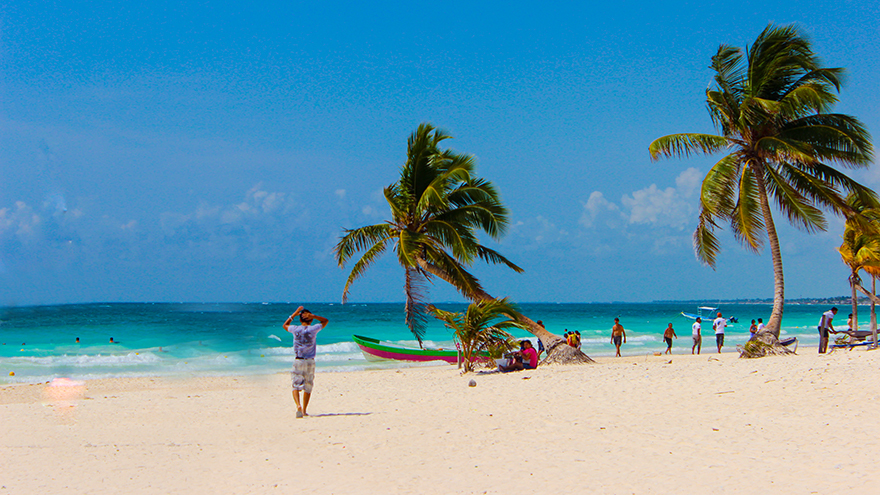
x,y
825,326
540,344
698,339
618,335
718,325
760,326
667,337
753,330
305,345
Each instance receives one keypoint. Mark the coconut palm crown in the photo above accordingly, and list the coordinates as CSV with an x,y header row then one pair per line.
x,y
482,326
770,104
437,208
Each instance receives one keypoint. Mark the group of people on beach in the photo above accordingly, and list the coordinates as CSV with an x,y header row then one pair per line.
x,y
305,346
618,334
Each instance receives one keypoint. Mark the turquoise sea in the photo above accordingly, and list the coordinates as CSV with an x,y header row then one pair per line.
x,y
38,342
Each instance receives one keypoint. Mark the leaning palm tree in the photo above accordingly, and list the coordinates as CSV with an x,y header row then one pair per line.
x,y
478,328
437,207
770,104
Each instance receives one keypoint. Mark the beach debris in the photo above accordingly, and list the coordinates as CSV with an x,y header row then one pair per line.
x,y
11,373
658,353
526,377
669,362
472,383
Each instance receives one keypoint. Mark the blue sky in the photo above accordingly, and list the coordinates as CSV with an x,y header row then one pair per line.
x,y
213,151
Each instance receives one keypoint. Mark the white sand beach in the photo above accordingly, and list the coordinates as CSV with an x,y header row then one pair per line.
x,y
698,424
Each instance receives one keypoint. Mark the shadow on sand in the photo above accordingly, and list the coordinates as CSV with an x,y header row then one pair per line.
x,y
337,414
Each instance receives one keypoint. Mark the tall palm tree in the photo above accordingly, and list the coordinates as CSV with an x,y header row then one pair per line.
x,y
770,104
437,207
478,328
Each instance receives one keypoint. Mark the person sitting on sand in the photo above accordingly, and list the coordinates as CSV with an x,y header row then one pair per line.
x,y
618,335
698,339
524,359
577,334
668,335
305,345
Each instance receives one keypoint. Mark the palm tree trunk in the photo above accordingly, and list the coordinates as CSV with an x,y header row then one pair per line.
x,y
853,281
873,310
775,322
558,351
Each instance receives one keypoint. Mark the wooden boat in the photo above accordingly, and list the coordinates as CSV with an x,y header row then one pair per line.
x,y
376,350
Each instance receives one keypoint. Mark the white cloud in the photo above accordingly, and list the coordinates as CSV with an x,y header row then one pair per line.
x,y
672,207
20,221
597,207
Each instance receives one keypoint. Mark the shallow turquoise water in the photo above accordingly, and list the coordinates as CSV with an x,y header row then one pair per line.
x,y
237,338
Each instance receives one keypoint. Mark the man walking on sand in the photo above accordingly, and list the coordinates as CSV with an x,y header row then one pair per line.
x,y
719,325
825,326
305,345
698,339
618,335
667,337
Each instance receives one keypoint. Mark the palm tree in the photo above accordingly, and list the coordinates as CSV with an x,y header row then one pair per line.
x,y
475,328
770,105
437,207
860,250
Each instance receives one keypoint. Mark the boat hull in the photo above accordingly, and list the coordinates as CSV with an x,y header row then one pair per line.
x,y
376,350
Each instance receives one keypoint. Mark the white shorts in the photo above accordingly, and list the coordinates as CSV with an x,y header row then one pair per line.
x,y
303,375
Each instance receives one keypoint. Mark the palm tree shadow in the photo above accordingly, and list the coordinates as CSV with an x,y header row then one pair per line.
x,y
339,414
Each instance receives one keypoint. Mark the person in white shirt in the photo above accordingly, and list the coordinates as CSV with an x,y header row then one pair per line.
x,y
760,325
825,326
718,325
698,339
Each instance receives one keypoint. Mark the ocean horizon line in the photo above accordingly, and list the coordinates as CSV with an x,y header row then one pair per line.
x,y
708,301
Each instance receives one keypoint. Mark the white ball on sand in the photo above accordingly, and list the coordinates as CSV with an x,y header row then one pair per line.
x,y
472,383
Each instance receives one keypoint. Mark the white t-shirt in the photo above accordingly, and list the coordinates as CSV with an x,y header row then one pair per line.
x,y
696,328
719,325
760,327
826,319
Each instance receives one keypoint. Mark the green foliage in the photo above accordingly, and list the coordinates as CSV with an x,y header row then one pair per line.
x,y
438,205
770,105
478,330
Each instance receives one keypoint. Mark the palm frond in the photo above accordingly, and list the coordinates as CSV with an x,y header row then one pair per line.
x,y
491,256
747,219
678,145
706,244
790,198
718,190
362,264
359,239
416,307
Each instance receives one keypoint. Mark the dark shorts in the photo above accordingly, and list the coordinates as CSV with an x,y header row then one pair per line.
x,y
668,341
719,339
617,339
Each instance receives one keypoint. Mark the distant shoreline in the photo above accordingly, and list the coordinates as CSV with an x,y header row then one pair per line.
x,y
839,301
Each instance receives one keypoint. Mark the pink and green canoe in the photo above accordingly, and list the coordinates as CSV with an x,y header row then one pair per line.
x,y
377,350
